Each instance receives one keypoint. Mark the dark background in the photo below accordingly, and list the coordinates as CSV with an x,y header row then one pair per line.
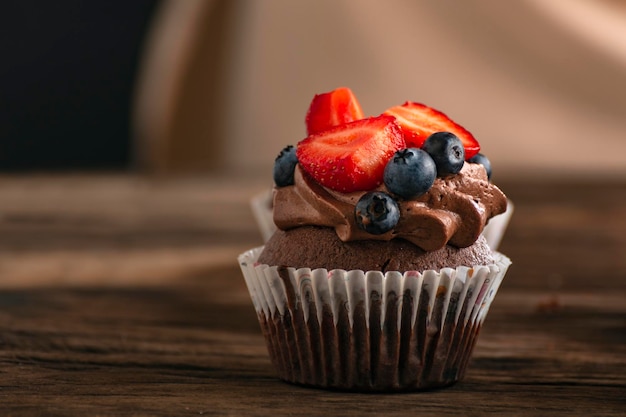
x,y
67,72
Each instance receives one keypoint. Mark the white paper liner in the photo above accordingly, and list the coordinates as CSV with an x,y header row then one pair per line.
x,y
369,331
495,228
261,205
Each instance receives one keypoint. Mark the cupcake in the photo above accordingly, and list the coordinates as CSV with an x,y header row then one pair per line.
x,y
378,275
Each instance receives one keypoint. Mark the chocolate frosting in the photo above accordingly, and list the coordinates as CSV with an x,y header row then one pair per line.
x,y
454,211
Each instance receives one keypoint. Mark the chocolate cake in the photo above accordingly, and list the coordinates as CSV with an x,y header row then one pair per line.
x,y
319,247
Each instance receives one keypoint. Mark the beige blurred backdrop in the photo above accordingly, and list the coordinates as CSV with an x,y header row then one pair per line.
x,y
225,84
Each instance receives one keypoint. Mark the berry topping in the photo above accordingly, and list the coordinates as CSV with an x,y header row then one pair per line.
x,y
419,121
410,173
376,213
479,158
447,152
332,109
352,156
284,166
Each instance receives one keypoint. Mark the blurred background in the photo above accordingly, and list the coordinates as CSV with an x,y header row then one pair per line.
x,y
133,134
218,87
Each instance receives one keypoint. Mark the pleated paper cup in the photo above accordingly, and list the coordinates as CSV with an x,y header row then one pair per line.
x,y
369,331
261,205
494,230
262,209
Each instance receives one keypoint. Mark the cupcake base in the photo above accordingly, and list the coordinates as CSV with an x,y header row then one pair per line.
x,y
368,331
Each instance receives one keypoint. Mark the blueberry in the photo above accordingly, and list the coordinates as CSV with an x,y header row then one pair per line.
x,y
447,151
284,166
479,158
410,173
376,212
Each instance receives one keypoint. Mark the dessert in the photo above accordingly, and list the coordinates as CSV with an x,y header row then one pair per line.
x,y
378,277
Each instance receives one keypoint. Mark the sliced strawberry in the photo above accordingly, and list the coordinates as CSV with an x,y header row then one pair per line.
x,y
352,156
419,121
332,109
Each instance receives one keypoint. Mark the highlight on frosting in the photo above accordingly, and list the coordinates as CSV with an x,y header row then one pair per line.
x,y
411,173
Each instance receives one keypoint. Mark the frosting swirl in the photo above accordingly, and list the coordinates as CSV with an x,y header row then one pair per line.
x,y
454,211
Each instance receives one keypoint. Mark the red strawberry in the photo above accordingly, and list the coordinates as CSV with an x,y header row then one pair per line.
x,y
419,121
332,109
352,156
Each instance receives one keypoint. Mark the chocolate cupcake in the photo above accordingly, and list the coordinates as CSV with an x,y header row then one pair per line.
x,y
378,277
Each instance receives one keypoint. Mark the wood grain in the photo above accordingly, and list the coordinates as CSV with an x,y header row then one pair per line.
x,y
188,342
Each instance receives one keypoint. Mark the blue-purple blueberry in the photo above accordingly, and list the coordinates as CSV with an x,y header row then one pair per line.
x,y
285,166
410,173
479,158
447,151
376,212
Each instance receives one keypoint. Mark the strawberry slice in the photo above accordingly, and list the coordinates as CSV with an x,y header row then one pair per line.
x,y
332,109
352,156
419,121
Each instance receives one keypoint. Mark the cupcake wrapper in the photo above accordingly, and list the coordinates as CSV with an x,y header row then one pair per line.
x,y
261,205
369,331
497,225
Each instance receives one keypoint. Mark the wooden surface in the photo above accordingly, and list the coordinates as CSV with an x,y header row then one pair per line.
x,y
122,296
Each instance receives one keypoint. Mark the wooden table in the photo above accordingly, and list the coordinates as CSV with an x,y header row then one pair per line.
x,y
121,296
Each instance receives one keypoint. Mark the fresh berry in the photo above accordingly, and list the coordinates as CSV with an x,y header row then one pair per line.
x,y
479,158
447,152
284,166
376,213
410,173
332,109
352,156
419,121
